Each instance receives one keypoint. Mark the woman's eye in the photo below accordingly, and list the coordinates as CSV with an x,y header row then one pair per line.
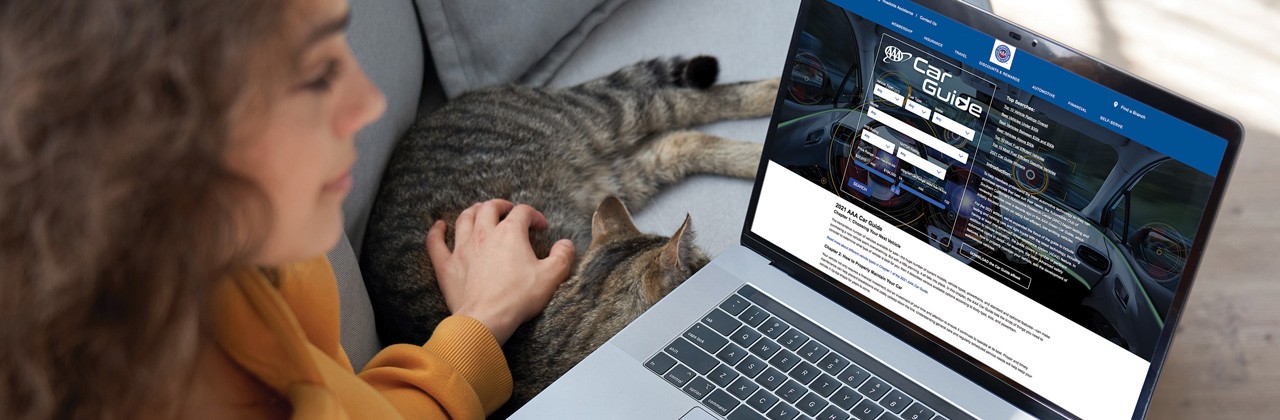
x,y
324,81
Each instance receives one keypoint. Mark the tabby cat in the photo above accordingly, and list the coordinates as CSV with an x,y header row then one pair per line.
x,y
562,151
620,275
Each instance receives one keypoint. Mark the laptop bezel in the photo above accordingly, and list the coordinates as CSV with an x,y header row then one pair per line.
x,y
1099,72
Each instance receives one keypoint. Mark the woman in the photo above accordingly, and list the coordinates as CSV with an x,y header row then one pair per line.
x,y
171,174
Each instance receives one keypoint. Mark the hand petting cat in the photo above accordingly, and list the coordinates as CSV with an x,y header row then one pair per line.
x,y
492,274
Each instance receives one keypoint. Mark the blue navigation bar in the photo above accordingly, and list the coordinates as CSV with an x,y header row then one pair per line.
x,y
1119,113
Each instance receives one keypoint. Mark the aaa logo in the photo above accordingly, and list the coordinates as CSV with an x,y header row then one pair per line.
x,y
894,55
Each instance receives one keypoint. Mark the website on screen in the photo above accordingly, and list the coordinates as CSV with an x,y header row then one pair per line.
x,y
1029,217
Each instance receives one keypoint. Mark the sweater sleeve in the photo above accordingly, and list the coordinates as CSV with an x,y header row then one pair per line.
x,y
459,373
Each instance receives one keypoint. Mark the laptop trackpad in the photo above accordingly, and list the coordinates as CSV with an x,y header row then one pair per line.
x,y
698,414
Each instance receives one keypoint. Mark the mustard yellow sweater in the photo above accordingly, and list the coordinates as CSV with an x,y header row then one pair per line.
x,y
287,337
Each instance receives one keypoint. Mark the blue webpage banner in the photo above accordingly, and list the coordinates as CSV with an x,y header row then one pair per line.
x,y
1119,113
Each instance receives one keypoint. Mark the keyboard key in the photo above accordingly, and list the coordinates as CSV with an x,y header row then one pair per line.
x,y
753,316
832,413
731,354
917,411
679,375
811,404
744,413
704,337
825,385
762,400
745,336
784,360
765,348
782,412
771,379
720,402
660,363
833,363
793,339
751,366
691,355
722,375
790,391
734,305
742,388
854,375
866,410
813,351
773,328
846,397
699,388
721,322
874,388
896,401
805,373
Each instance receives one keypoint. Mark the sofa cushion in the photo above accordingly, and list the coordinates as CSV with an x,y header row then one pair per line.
x,y
479,43
385,38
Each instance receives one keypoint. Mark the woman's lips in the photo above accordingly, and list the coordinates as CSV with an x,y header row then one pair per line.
x,y
340,184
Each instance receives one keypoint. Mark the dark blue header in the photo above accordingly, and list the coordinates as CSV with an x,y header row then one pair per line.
x,y
1119,113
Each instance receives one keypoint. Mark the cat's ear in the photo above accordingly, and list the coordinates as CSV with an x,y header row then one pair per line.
x,y
677,260
611,219
679,250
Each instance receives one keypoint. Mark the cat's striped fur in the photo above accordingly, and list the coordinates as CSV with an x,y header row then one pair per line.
x,y
563,151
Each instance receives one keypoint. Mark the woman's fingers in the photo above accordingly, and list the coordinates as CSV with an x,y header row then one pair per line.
x,y
555,267
525,217
437,250
493,275
489,212
463,226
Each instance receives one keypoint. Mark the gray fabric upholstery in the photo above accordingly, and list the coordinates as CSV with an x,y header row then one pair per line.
x,y
479,43
386,40
359,336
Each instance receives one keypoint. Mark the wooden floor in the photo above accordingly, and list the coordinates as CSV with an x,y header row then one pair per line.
x,y
1225,360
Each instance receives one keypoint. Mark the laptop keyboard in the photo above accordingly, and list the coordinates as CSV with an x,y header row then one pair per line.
x,y
753,358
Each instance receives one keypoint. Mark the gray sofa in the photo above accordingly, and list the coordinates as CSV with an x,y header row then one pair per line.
x,y
421,52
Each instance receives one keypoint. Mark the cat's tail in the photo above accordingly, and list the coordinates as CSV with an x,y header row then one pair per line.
x,y
698,72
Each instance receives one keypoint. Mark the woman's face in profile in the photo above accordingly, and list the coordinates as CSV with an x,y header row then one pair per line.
x,y
302,149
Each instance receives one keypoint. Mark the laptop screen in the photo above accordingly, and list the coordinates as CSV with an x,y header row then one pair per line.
x,y
1029,218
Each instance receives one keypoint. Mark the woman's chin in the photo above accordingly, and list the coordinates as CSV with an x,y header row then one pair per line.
x,y
302,246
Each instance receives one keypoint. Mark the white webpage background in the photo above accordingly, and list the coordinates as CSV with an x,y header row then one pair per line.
x,y
1075,368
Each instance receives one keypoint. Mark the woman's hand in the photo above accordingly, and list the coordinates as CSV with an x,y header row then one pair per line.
x,y
492,274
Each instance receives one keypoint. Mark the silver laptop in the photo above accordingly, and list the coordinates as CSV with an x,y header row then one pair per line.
x,y
954,218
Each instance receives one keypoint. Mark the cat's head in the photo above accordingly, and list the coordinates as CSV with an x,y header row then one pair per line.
x,y
651,264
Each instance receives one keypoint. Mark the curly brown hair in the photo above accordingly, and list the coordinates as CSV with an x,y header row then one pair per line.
x,y
117,211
